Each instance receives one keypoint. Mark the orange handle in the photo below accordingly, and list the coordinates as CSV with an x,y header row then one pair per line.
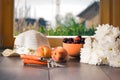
x,y
31,57
28,61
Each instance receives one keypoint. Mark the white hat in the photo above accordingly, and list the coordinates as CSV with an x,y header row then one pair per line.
x,y
30,40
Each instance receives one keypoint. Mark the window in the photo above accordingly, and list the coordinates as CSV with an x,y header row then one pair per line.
x,y
109,13
56,17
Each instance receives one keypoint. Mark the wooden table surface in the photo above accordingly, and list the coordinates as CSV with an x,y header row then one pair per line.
x,y
12,68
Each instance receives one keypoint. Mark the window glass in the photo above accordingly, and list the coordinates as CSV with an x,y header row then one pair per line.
x,y
56,17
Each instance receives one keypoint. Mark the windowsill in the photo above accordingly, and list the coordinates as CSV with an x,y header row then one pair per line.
x,y
58,40
65,36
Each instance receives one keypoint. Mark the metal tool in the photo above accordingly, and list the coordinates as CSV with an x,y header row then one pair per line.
x,y
51,63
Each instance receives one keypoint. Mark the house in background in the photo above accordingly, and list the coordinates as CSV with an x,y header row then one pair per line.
x,y
90,16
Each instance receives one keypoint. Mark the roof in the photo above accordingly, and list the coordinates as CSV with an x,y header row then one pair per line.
x,y
91,11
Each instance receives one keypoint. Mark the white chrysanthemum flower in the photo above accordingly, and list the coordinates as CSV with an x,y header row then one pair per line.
x,y
104,48
102,31
86,51
98,56
114,60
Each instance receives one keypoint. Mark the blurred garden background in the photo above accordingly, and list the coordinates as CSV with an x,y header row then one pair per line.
x,y
55,23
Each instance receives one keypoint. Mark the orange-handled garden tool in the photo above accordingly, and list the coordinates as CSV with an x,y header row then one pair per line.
x,y
32,59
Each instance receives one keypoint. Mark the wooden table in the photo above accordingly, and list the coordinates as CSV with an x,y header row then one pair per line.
x,y
12,68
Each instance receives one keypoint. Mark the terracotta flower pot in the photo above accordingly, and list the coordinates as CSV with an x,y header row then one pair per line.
x,y
72,49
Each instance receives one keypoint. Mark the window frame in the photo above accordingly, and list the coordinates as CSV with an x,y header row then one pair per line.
x,y
6,20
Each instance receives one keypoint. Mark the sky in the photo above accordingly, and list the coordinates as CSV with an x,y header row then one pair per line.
x,y
47,8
